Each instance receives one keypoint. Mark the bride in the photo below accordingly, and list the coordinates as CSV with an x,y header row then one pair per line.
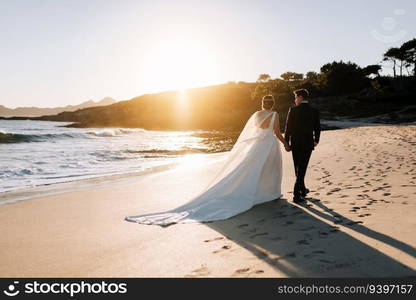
x,y
250,174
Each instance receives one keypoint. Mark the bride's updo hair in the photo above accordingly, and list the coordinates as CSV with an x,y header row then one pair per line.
x,y
267,102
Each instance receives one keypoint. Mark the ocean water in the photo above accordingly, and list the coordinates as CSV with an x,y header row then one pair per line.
x,y
36,153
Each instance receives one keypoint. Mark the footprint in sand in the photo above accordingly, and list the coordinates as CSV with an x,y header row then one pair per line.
x,y
202,271
214,239
223,248
244,270
326,261
258,234
355,222
314,253
262,253
331,229
334,229
289,255
242,225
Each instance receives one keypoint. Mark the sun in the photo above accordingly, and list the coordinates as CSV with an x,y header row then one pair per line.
x,y
181,63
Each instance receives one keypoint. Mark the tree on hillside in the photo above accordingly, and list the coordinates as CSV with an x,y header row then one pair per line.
x,y
273,87
342,78
372,70
263,78
409,54
311,76
394,55
292,76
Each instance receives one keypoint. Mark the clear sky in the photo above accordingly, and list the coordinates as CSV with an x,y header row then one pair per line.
x,y
59,52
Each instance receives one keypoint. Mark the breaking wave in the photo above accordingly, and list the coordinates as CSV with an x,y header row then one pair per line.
x,y
7,138
115,132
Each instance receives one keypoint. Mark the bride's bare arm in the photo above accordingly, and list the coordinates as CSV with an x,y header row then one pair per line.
x,y
277,132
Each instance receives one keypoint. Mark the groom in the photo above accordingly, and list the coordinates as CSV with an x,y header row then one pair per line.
x,y
302,132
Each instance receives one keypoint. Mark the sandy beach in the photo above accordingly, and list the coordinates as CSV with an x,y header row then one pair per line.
x,y
359,221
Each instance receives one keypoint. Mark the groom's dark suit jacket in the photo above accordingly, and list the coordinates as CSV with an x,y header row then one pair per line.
x,y
303,127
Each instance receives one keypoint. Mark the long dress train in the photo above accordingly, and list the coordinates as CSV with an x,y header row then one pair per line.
x,y
250,174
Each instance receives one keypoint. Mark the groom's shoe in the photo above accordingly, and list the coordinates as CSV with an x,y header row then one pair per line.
x,y
304,192
298,199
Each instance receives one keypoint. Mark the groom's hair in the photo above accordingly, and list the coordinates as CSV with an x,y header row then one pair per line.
x,y
302,93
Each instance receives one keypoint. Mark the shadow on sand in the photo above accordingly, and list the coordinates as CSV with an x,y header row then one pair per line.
x,y
298,243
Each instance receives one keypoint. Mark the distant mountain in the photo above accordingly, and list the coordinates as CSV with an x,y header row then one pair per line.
x,y
38,111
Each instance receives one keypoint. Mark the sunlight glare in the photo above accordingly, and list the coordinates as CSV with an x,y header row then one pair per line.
x,y
180,63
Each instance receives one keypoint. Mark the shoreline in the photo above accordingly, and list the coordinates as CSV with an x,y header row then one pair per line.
x,y
56,188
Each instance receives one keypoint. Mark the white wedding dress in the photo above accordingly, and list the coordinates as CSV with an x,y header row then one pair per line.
x,y
249,174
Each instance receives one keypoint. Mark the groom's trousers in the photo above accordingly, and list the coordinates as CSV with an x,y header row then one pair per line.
x,y
300,161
